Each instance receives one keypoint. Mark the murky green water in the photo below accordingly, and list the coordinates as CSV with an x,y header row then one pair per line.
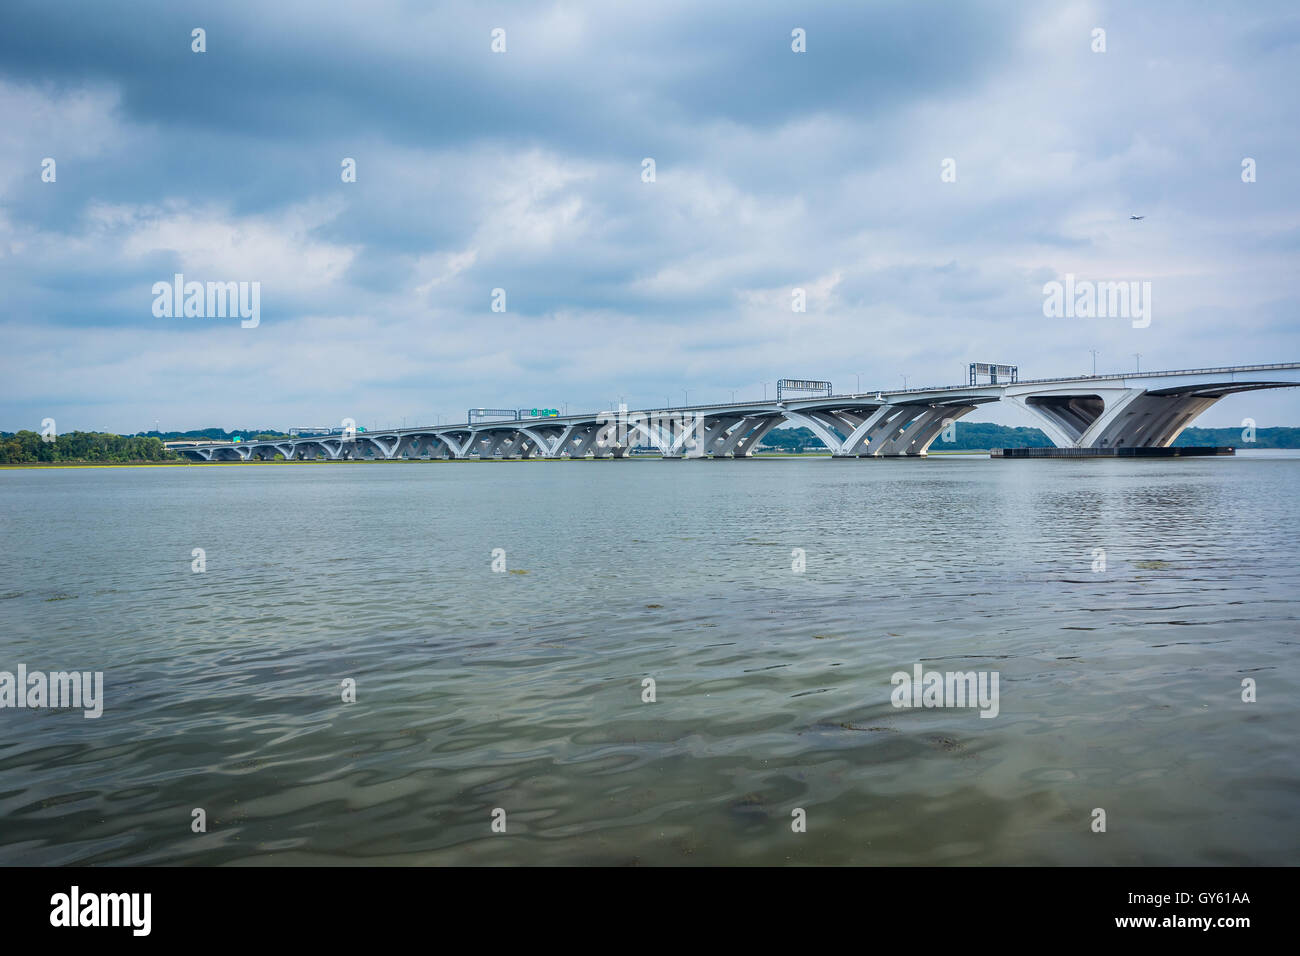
x,y
522,690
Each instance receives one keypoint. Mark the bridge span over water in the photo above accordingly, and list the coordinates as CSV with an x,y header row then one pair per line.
x,y
1138,410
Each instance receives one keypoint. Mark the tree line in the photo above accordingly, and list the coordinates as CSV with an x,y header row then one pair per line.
x,y
28,446
1236,437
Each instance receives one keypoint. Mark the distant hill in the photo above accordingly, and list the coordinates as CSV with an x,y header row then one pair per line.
x,y
981,436
1264,437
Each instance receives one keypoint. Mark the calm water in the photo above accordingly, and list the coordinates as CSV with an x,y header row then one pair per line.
x,y
522,690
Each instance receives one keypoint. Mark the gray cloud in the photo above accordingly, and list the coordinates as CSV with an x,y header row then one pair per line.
x,y
522,171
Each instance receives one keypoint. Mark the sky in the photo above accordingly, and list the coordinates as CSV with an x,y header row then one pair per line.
x,y
920,171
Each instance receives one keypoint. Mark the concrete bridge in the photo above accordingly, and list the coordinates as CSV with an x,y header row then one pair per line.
x,y
1139,410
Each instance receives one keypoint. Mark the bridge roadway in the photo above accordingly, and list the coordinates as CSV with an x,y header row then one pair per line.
x,y
1144,410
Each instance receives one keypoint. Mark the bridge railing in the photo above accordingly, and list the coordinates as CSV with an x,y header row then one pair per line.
x,y
1181,371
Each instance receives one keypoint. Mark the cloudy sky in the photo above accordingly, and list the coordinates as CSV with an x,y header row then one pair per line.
x,y
523,171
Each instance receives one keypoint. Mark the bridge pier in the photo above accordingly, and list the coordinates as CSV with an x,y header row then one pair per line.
x,y
584,439
1114,415
743,445
916,436
903,430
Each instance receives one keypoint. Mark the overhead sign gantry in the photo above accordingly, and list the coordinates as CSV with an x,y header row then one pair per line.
x,y
800,385
1008,372
478,414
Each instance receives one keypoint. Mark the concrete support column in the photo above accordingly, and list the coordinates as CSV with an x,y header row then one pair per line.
x,y
744,438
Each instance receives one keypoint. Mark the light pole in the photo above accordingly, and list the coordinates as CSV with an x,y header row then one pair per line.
x,y
687,392
857,378
765,391
1138,357
904,383
733,396
1094,362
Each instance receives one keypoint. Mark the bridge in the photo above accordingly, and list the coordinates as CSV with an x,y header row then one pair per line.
x,y
1137,410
